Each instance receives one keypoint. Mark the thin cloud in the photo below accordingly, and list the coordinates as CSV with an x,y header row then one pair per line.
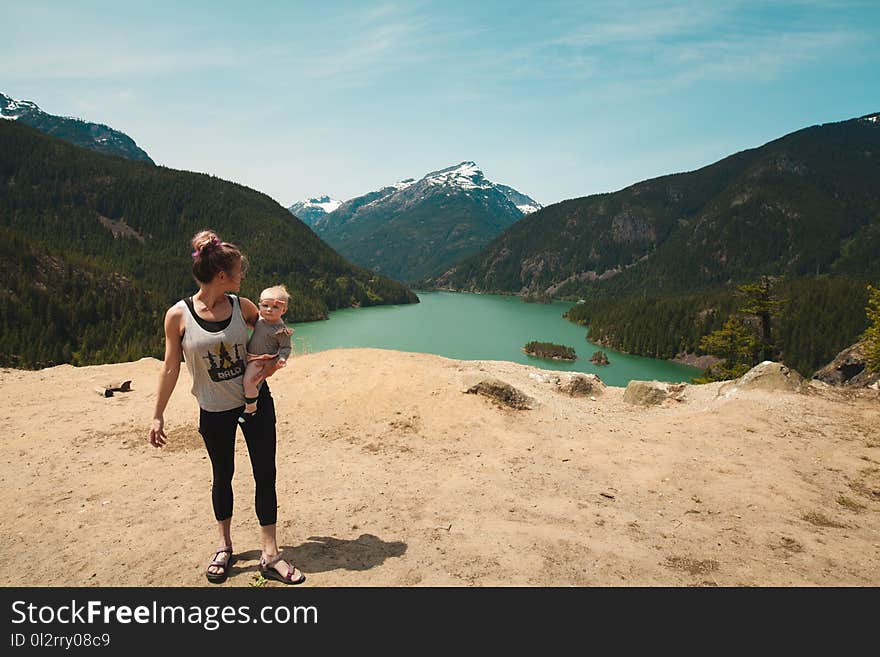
x,y
641,25
106,61
656,48
377,49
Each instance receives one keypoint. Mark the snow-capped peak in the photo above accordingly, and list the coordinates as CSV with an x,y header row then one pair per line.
x,y
324,203
872,118
464,176
12,109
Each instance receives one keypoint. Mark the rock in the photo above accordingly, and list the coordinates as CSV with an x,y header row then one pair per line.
x,y
703,362
765,376
651,393
542,378
848,369
502,392
599,358
582,385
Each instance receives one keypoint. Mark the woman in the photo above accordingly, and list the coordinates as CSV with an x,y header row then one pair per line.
x,y
210,330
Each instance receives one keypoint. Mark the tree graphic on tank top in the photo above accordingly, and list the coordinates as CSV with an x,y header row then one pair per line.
x,y
221,365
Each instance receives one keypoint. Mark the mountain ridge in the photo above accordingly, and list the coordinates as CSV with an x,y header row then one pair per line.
x,y
416,227
94,136
310,210
805,201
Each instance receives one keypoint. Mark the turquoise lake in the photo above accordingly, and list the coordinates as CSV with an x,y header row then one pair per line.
x,y
478,327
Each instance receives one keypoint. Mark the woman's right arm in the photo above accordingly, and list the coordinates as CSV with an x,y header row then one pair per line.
x,y
170,372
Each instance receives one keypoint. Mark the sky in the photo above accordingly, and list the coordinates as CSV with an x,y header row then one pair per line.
x,y
557,99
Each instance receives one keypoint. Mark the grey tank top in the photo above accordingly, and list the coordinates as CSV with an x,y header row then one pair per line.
x,y
216,359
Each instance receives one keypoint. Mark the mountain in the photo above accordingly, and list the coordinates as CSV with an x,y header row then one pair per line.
x,y
94,136
805,204
94,249
310,211
417,228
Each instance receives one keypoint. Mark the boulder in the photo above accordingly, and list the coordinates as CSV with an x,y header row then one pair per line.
x,y
765,376
848,369
651,393
703,362
544,378
582,385
503,393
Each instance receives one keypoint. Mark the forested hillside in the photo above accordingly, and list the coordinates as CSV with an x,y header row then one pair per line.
x,y
657,263
96,248
805,204
820,316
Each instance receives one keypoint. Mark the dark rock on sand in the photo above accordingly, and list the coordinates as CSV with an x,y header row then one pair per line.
x,y
582,386
848,369
503,393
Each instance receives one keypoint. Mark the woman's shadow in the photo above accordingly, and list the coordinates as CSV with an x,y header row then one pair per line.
x,y
323,553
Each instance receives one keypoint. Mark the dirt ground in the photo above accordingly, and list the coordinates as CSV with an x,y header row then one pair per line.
x,y
390,475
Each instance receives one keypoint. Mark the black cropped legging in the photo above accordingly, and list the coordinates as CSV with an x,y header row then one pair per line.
x,y
218,432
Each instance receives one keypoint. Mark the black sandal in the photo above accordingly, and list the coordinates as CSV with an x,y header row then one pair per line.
x,y
219,578
267,571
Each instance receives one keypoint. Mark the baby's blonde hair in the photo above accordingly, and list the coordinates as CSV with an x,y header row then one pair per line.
x,y
276,292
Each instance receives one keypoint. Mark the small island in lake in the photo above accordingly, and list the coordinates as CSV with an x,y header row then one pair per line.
x,y
550,350
599,358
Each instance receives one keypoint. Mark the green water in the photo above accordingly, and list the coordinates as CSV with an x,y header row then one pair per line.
x,y
478,327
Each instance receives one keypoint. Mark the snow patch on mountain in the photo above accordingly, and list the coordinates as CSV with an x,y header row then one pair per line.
x,y
12,105
464,176
324,203
403,184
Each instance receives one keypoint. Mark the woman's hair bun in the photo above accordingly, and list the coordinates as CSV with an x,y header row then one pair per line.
x,y
202,240
211,256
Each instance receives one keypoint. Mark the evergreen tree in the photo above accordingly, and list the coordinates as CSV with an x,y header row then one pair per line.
x,y
872,334
738,346
740,343
758,300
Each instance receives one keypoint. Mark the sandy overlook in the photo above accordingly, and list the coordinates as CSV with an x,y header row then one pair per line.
x,y
389,475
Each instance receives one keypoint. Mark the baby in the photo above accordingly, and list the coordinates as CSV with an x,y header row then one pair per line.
x,y
270,339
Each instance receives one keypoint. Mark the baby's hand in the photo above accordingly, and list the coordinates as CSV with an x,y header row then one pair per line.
x,y
281,362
